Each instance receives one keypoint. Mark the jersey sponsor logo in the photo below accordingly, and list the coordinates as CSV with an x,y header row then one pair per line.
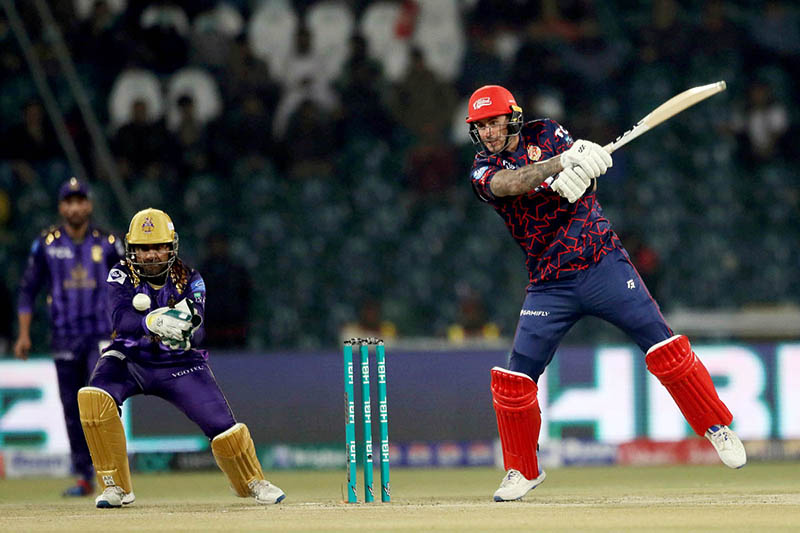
x,y
631,284
534,153
198,285
478,173
482,102
187,371
60,252
529,312
116,275
508,164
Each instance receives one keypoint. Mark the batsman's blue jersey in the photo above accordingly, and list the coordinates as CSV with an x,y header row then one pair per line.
x,y
74,275
129,336
559,239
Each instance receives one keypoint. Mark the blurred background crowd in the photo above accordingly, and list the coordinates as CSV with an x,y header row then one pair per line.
x,y
314,156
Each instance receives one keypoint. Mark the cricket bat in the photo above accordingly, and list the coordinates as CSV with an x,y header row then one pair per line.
x,y
664,112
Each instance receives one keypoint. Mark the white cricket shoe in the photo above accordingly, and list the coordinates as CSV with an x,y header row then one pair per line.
x,y
728,446
514,485
114,497
265,492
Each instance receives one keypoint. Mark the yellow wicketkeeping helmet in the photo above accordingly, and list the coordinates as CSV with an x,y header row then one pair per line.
x,y
151,226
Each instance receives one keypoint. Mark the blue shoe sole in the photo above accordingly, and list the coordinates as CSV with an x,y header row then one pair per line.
x,y
105,505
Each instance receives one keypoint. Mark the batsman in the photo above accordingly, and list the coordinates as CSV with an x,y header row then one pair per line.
x,y
157,305
577,266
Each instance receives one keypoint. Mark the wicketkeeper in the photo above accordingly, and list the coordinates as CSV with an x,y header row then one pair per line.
x,y
157,304
577,266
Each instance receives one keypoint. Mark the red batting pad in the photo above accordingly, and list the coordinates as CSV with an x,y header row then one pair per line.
x,y
687,380
518,420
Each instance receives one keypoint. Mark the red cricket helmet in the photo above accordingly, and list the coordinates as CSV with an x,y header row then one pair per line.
x,y
492,101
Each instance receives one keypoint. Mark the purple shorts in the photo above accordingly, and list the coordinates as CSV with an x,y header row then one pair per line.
x,y
189,386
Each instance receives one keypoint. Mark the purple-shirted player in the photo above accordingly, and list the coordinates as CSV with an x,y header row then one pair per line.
x,y
72,261
157,305
577,266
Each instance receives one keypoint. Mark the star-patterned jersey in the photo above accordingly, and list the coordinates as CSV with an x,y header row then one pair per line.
x,y
559,239
73,274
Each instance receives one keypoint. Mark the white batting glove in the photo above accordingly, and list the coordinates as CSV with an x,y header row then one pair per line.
x,y
571,183
589,156
169,324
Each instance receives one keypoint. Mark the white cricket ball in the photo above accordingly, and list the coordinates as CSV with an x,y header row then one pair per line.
x,y
141,302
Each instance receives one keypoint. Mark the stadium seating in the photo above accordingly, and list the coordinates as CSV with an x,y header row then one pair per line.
x,y
722,228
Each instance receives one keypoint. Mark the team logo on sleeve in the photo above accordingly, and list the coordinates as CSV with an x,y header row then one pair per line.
x,y
534,152
198,285
478,173
116,275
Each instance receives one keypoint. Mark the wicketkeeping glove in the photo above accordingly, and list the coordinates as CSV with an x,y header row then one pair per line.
x,y
187,306
170,324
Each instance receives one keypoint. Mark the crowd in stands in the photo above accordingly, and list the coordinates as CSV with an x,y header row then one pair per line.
x,y
314,156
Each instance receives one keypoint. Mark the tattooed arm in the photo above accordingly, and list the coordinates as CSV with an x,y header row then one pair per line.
x,y
523,180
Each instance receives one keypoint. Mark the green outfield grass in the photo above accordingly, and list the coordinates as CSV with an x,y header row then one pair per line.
x,y
760,497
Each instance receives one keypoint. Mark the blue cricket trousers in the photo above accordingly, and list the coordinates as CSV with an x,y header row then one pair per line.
x,y
611,289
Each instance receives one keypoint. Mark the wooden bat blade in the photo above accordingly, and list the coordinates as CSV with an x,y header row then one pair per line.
x,y
667,110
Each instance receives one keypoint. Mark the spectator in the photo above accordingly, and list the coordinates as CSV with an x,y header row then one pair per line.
x,y
310,142
472,323
361,86
100,42
762,125
421,101
431,165
31,141
229,287
190,139
482,65
666,39
244,133
246,74
140,145
370,322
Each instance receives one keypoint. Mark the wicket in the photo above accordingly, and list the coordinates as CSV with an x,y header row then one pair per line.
x,y
366,413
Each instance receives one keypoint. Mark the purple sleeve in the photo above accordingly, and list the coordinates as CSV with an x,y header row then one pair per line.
x,y
34,278
125,320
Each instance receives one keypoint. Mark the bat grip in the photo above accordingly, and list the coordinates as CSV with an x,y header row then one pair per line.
x,y
549,181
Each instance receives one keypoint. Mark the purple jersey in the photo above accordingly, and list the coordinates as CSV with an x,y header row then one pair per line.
x,y
558,238
73,274
129,337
